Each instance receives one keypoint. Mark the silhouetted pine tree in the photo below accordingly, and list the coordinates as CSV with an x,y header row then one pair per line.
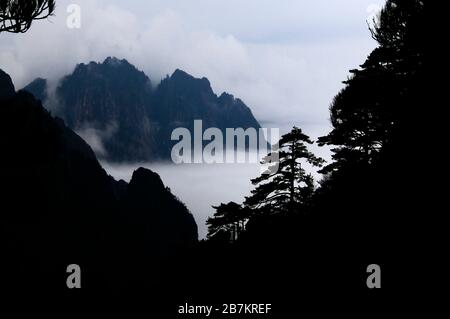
x,y
375,189
373,108
229,221
285,186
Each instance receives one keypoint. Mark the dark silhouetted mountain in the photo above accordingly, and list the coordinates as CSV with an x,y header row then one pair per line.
x,y
146,194
115,103
60,207
38,88
6,86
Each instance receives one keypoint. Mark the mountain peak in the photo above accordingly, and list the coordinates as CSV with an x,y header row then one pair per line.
x,y
113,61
38,88
110,63
6,85
180,72
182,77
144,183
39,80
146,176
226,97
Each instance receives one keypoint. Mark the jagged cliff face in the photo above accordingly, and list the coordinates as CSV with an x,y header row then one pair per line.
x,y
59,206
134,120
182,98
111,98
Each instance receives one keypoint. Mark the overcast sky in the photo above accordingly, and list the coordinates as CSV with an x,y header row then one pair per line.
x,y
286,58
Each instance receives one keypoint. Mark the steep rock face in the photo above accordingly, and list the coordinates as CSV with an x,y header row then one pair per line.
x,y
114,103
59,206
236,113
112,99
181,99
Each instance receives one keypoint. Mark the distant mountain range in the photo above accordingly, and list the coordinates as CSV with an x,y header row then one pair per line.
x,y
118,111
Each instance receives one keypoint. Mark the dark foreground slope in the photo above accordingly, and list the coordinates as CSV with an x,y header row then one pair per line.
x,y
59,207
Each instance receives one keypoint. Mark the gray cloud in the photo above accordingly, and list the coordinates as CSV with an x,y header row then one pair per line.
x,y
285,59
225,182
97,138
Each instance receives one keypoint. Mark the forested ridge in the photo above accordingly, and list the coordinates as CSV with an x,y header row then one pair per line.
x,y
371,204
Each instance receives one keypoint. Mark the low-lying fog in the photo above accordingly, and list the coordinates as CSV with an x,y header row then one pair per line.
x,y
199,186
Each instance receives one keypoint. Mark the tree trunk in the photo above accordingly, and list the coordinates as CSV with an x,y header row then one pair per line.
x,y
292,181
